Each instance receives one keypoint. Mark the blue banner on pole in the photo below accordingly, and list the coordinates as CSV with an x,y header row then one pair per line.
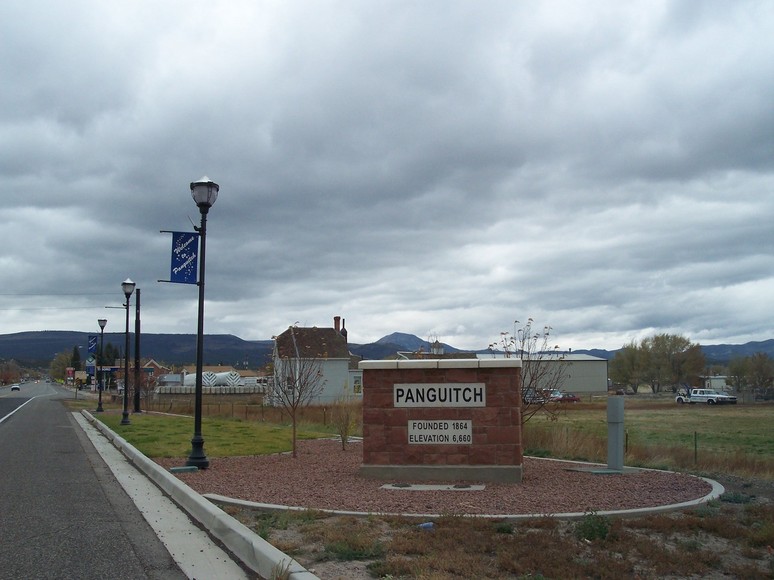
x,y
185,257
92,343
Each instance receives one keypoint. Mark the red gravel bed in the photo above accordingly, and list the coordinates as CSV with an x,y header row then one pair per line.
x,y
325,477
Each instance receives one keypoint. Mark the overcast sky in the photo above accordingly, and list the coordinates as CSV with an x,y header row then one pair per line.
x,y
438,168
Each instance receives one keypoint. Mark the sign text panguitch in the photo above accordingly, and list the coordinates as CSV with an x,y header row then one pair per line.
x,y
439,395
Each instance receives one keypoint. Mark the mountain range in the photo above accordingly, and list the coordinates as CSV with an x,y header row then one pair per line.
x,y
38,348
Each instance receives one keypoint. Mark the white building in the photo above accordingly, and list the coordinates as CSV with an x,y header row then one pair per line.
x,y
326,349
583,373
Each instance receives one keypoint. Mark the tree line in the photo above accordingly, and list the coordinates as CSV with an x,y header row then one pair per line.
x,y
63,360
671,362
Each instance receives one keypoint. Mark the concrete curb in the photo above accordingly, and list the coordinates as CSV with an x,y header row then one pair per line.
x,y
715,493
255,552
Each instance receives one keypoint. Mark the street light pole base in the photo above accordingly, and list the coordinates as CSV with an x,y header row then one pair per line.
x,y
197,458
125,419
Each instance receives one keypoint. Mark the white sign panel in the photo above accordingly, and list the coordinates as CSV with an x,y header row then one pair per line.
x,y
421,432
439,395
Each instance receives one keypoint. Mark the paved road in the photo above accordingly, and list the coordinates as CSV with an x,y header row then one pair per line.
x,y
63,514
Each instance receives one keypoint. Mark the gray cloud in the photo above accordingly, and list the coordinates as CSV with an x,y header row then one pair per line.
x,y
435,168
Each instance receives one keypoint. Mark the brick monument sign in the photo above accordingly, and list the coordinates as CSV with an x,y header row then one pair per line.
x,y
442,419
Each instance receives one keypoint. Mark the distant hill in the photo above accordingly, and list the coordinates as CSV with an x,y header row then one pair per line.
x,y
37,349
392,343
722,353
719,354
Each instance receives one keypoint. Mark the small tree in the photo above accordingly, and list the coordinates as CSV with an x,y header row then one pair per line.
x,y
628,366
761,370
58,368
543,368
298,377
346,414
752,373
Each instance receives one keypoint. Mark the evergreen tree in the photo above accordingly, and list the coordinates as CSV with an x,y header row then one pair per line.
x,y
75,359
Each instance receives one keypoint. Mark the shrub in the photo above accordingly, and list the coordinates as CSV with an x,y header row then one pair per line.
x,y
346,414
592,527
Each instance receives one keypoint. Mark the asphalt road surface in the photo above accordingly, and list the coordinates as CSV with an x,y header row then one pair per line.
x,y
62,512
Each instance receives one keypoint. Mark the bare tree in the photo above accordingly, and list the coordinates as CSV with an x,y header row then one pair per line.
x,y
752,373
298,377
346,414
10,372
543,367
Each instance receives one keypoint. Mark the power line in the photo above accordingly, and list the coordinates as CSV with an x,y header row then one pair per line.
x,y
60,294
51,308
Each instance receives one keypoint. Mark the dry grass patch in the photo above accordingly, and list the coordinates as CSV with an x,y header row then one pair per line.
x,y
723,538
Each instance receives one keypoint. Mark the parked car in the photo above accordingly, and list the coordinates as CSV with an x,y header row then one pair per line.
x,y
533,397
15,388
564,397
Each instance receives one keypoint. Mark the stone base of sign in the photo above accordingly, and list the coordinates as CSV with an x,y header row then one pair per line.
x,y
488,473
442,420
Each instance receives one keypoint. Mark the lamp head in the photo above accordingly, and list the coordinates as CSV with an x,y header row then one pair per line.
x,y
102,322
204,192
128,287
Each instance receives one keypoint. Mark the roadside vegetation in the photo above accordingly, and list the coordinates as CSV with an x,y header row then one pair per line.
x,y
722,539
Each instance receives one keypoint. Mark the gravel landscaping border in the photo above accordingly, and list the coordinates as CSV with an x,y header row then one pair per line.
x,y
325,477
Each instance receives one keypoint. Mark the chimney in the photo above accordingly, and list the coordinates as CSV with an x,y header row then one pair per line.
x,y
336,323
343,330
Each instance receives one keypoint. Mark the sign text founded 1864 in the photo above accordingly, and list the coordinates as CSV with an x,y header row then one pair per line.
x,y
440,432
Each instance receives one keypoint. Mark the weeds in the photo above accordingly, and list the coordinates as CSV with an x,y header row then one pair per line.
x,y
726,538
736,497
281,570
592,527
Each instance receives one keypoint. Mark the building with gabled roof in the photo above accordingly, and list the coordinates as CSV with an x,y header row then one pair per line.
x,y
328,347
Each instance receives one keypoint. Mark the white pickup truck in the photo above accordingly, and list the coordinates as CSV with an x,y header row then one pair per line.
x,y
709,396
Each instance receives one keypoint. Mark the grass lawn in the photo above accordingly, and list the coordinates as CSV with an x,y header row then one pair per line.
x,y
724,429
170,436
734,438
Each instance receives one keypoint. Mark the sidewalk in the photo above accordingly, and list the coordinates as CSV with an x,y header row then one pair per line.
x,y
191,548
137,471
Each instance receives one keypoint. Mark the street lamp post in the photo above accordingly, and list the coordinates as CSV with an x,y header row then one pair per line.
x,y
102,323
204,192
137,382
128,287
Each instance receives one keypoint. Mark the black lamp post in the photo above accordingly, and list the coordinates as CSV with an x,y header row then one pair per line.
x,y
128,287
137,383
101,386
204,192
